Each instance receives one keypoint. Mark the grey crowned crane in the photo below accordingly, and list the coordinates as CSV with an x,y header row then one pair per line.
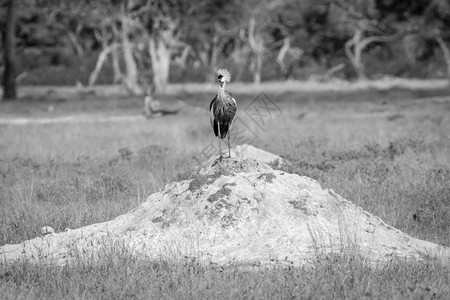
x,y
222,109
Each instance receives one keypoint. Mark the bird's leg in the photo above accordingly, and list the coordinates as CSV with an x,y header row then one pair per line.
x,y
229,151
220,150
218,136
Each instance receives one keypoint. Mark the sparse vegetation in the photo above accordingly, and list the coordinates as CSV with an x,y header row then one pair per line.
x,y
388,152
337,277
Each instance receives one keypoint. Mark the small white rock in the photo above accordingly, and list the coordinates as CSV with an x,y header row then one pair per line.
x,y
47,230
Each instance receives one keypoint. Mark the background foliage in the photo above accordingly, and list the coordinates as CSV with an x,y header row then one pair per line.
x,y
143,42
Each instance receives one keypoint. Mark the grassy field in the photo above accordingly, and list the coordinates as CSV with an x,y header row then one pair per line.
x,y
386,150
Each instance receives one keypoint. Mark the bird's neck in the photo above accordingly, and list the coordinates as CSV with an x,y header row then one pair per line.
x,y
221,92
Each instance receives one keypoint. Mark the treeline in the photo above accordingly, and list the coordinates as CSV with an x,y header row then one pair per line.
x,y
142,43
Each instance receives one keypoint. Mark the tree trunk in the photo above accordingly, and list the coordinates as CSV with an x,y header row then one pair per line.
x,y
76,44
446,52
181,61
98,66
239,54
332,70
214,53
9,75
115,55
282,54
2,51
257,61
353,50
131,73
355,47
116,65
238,57
160,55
256,44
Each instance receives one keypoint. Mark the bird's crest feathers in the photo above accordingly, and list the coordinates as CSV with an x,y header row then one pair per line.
x,y
225,73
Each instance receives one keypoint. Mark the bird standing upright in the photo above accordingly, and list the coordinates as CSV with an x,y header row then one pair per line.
x,y
222,109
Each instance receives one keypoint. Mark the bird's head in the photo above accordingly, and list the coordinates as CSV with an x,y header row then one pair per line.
x,y
223,76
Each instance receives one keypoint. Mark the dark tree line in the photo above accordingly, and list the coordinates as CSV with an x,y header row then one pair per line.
x,y
145,40
8,34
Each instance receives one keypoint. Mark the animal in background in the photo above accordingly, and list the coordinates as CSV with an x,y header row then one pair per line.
x,y
153,108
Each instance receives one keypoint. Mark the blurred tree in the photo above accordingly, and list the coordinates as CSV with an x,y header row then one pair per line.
x,y
69,19
9,42
259,17
289,31
257,45
360,20
114,28
324,41
423,24
163,23
108,47
404,16
215,28
445,49
131,71
146,38
252,34
435,24
105,24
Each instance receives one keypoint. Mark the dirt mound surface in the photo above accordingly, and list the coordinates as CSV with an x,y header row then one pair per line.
x,y
236,211
248,151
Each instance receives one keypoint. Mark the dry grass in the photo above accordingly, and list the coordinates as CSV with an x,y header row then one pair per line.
x,y
124,276
388,151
